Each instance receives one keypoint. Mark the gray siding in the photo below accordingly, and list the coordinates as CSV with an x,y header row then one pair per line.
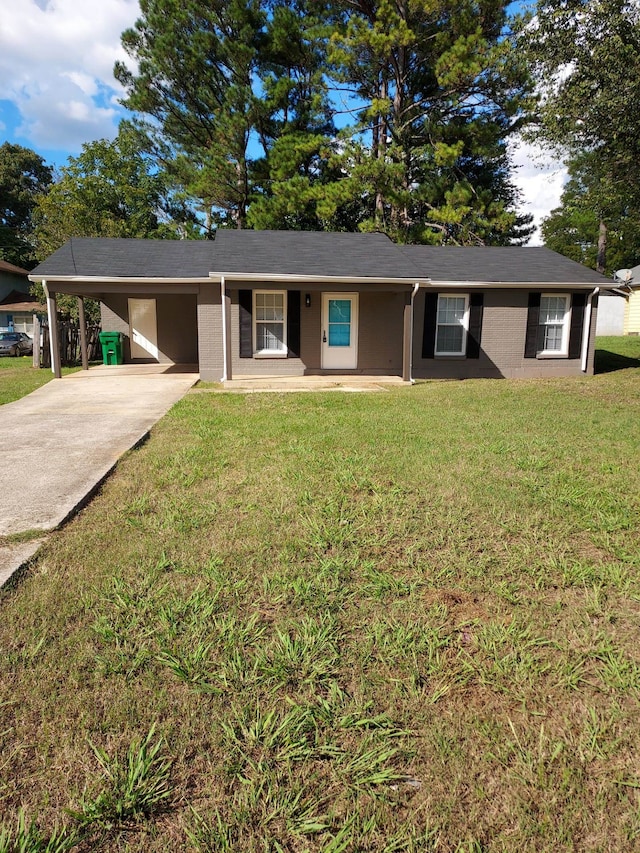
x,y
12,281
502,347
177,325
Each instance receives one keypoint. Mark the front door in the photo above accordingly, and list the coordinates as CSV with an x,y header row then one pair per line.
x,y
143,328
339,331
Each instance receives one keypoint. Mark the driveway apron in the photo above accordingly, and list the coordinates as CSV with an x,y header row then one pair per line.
x,y
62,440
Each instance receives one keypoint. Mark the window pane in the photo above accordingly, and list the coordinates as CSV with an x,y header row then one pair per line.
x,y
449,339
451,309
552,338
270,336
269,306
552,309
553,315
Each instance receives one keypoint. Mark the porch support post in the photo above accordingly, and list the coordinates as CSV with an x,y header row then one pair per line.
x,y
83,333
407,337
54,340
227,371
227,320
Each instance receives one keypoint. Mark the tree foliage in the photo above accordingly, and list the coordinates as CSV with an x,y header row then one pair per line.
x,y
109,190
441,88
587,201
238,100
586,58
23,177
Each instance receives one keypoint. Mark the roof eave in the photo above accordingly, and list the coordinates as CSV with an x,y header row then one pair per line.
x,y
520,285
123,279
316,279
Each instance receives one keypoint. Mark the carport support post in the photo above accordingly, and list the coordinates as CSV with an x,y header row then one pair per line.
x,y
54,339
35,355
83,333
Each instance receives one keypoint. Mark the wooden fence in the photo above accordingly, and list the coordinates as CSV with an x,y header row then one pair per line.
x,y
69,335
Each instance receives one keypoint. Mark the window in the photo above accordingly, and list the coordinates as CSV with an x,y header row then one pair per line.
x,y
270,322
451,325
553,331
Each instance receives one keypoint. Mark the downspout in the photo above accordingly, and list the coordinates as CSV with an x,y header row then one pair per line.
x,y
416,288
223,296
587,330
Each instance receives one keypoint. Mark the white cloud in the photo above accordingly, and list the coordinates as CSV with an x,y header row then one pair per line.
x,y
540,178
56,66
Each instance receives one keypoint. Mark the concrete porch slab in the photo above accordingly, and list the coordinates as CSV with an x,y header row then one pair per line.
x,y
283,384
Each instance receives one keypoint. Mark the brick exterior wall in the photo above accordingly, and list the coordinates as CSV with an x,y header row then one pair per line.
x,y
502,345
379,336
210,356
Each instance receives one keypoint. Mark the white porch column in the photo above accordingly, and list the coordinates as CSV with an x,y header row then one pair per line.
x,y
54,341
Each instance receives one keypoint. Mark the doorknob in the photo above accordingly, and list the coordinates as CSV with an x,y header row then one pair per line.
x,y
324,337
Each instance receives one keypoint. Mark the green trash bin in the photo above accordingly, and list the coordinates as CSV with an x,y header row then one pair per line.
x,y
112,347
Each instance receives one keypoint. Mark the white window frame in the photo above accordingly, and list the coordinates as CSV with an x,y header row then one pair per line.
x,y
465,323
566,324
270,353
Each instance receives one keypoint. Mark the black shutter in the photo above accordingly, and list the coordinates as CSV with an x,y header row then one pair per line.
x,y
474,335
245,300
533,322
293,323
429,329
578,301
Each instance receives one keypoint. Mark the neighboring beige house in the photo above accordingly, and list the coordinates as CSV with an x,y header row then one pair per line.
x,y
267,303
632,314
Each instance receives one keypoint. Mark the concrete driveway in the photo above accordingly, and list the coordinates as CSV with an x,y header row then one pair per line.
x,y
60,441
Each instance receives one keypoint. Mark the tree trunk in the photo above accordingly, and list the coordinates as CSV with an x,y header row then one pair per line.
x,y
602,249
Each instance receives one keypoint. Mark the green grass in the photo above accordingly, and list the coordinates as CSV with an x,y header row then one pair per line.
x,y
18,377
322,622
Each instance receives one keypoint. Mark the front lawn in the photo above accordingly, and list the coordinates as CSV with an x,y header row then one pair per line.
x,y
18,378
401,621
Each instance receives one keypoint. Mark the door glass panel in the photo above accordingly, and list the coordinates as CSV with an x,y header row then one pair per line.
x,y
339,334
339,322
339,310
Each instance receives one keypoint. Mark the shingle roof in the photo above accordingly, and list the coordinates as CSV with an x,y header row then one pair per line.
x,y
312,253
499,264
101,257
308,253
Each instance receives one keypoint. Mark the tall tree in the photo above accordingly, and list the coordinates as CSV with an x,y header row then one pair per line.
x,y
23,177
439,87
193,89
586,58
295,120
588,201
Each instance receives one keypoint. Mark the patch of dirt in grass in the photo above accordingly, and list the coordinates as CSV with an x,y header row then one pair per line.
x,y
462,606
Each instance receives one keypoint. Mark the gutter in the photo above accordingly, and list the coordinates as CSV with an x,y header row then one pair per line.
x,y
587,330
122,279
311,279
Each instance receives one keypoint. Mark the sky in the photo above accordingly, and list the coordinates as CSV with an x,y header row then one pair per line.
x,y
57,88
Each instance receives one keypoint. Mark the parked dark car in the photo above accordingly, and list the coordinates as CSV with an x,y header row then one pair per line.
x,y
15,343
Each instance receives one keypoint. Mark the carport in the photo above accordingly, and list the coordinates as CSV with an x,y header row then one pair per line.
x,y
149,290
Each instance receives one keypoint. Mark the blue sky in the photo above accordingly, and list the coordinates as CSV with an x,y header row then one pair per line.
x,y
57,88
